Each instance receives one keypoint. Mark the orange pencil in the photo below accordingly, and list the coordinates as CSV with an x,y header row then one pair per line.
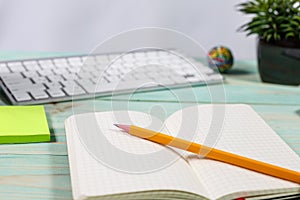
x,y
212,153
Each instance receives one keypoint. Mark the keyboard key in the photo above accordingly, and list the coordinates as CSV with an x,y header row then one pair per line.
x,y
140,55
14,64
35,67
165,81
84,82
190,71
22,96
48,66
11,75
88,86
45,62
39,94
39,79
60,71
112,57
31,65
30,62
17,67
112,78
70,76
135,84
193,79
140,76
154,74
75,69
30,74
53,85
62,65
56,92
179,79
180,72
215,77
75,90
102,79
102,58
74,60
26,87
68,83
4,68
17,82
59,60
76,64
46,72
89,61
85,75
55,78
105,87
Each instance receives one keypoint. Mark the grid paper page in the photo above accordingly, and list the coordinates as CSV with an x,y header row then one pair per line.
x,y
92,177
245,133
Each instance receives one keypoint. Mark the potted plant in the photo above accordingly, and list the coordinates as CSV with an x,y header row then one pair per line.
x,y
277,24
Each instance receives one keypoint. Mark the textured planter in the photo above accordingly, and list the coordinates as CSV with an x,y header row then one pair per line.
x,y
279,63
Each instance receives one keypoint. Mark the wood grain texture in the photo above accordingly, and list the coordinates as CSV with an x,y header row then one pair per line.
x,y
41,171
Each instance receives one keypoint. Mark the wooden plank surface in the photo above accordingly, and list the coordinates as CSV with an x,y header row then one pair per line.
x,y
41,171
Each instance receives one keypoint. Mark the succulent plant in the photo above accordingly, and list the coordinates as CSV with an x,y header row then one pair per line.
x,y
273,20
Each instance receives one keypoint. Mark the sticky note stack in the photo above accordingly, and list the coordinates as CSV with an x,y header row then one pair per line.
x,y
23,124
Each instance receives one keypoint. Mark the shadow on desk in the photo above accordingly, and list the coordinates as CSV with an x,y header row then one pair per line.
x,y
298,112
239,72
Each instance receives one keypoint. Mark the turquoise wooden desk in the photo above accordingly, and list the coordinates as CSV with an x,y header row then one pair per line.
x,y
40,171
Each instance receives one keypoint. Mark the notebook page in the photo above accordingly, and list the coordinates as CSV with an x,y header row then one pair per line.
x,y
245,133
94,168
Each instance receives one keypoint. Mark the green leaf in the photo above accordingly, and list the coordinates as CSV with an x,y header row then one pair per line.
x,y
268,38
276,36
295,23
289,35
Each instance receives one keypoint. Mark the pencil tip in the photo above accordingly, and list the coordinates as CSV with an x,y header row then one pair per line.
x,y
124,127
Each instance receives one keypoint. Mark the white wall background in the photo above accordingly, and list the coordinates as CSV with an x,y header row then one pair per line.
x,y
79,25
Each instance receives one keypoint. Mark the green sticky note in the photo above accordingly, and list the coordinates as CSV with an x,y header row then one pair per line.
x,y
23,124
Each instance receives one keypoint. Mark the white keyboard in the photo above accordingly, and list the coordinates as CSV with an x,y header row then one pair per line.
x,y
38,81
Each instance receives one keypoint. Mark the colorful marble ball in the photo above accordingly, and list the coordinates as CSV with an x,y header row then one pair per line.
x,y
220,57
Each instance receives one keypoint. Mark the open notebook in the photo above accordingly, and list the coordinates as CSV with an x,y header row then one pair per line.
x,y
106,163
